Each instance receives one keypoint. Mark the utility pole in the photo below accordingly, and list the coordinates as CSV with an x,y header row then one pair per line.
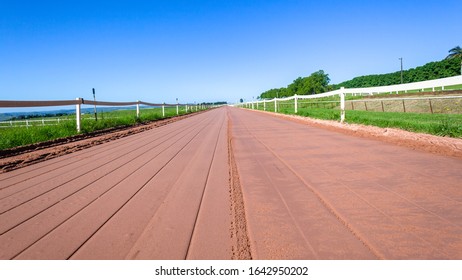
x,y
401,69
94,98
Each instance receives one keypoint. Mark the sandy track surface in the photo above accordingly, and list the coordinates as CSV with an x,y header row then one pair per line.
x,y
235,184
153,195
311,193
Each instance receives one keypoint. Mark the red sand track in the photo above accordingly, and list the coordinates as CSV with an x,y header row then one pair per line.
x,y
232,183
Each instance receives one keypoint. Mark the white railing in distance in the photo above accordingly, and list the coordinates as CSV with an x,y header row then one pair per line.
x,y
78,102
430,84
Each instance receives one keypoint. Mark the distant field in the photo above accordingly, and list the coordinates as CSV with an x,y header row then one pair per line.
x,y
19,136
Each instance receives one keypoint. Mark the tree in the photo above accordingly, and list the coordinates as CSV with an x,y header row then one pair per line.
x,y
456,52
296,87
317,82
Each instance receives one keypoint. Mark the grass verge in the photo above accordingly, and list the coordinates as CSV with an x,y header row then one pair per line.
x,y
20,136
436,124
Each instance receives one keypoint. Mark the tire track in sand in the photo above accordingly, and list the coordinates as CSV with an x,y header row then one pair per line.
x,y
241,249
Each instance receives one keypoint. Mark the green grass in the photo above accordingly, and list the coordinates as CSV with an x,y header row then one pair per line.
x,y
20,136
454,87
436,124
317,113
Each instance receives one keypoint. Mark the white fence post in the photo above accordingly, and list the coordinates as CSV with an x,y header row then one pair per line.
x,y
177,112
342,105
296,104
78,114
275,105
163,110
137,108
264,105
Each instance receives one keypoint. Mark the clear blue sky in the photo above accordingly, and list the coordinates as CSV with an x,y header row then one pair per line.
x,y
196,51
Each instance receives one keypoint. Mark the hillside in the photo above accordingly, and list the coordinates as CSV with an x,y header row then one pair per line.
x,y
318,82
430,71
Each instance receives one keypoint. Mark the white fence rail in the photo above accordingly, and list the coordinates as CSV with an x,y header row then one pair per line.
x,y
433,85
44,121
78,102
33,122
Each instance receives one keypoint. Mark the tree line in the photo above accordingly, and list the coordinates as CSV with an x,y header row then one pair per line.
x,y
318,82
430,71
36,116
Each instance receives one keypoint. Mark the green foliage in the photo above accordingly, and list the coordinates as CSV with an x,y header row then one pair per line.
x,y
275,92
214,103
430,71
436,124
449,127
317,82
19,136
455,52
320,113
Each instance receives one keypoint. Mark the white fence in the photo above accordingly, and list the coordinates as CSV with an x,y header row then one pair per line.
x,y
431,85
80,101
33,122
